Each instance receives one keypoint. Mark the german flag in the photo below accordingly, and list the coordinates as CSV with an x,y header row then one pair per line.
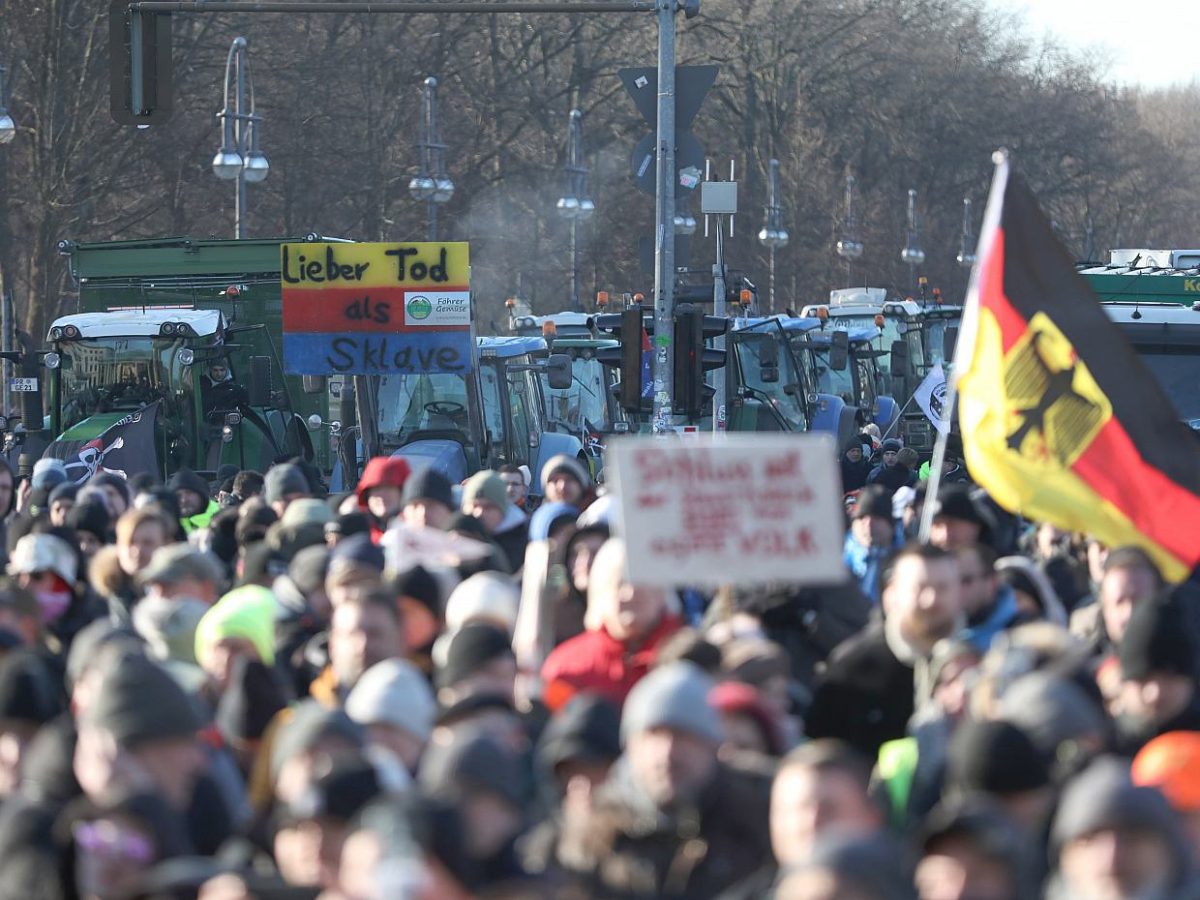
x,y
1060,420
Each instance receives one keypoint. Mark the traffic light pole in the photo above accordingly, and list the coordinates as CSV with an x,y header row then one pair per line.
x,y
664,224
719,408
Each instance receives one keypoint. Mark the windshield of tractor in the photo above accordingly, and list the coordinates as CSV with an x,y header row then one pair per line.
x,y
1177,369
104,375
895,328
425,402
749,344
935,339
584,401
831,381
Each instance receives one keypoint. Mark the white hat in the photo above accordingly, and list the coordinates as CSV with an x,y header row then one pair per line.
x,y
487,597
44,553
394,692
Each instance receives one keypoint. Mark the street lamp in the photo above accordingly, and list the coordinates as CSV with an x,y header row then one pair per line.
x,y
432,184
773,235
966,245
240,157
912,255
849,245
8,128
575,205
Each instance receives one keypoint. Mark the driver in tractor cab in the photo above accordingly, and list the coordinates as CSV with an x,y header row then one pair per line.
x,y
218,390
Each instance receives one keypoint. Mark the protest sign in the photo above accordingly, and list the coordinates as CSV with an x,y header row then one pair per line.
x,y
749,509
375,309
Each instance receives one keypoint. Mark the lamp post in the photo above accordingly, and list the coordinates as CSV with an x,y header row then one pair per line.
x,y
432,183
773,235
849,245
912,255
575,205
8,128
240,158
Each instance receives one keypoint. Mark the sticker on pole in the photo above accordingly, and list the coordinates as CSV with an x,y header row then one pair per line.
x,y
23,385
743,510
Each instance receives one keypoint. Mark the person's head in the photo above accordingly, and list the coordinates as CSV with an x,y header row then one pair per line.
x,y
958,519
485,597
486,498
751,725
890,448
92,524
427,500
909,458
180,571
564,480
1171,763
671,735
20,615
191,493
29,698
116,491
118,841
1158,657
853,451
952,668
419,598
580,553
921,595
1129,578
380,488
393,703
970,850
355,567
977,575
365,630
479,662
62,501
246,484
240,625
218,370
313,739
871,520
628,612
578,747
1114,839
46,566
821,788
284,483
514,484
139,721
140,532
998,759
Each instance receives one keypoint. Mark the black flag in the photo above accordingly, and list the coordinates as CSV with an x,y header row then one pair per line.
x,y
125,448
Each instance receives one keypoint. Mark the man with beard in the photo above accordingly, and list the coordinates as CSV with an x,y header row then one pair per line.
x,y
867,694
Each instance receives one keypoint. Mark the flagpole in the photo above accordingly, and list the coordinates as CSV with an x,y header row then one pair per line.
x,y
966,337
899,416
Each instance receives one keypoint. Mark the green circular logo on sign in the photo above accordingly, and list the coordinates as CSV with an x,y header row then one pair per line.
x,y
419,308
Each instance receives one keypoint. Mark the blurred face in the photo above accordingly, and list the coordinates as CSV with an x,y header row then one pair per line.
x,y
218,372
955,869
923,597
186,588
1097,553
889,457
14,739
873,531
951,534
383,502
498,678
491,822
112,856
360,635
402,744
1120,591
190,503
219,659
583,552
88,543
309,852
135,555
115,499
637,611
563,488
1116,864
671,766
488,513
1158,698
59,509
172,765
426,514
807,804
514,487
978,583
854,454
953,689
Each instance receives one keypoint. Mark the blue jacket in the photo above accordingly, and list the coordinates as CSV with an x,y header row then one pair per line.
x,y
864,563
1002,615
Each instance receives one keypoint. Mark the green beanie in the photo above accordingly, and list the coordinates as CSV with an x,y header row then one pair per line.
x,y
485,485
247,612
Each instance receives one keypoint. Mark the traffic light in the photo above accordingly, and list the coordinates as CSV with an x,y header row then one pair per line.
x,y
693,358
632,358
141,73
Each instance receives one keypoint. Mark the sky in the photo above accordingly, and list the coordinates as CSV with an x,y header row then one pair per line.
x,y
1150,41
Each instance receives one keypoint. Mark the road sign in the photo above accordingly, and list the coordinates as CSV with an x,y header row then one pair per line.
x,y
691,86
376,309
689,155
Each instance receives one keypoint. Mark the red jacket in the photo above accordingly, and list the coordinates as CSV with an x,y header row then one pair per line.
x,y
597,662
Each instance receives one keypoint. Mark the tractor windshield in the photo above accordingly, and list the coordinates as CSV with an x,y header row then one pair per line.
x,y
425,402
585,402
104,375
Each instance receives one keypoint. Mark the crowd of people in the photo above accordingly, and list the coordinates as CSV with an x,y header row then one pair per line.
x,y
252,688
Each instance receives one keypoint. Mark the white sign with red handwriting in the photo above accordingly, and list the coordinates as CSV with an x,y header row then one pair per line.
x,y
744,509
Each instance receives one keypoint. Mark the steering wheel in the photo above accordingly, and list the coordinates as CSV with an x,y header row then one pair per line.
x,y
445,408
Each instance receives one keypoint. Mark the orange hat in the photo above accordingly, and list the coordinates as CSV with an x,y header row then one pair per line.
x,y
1171,763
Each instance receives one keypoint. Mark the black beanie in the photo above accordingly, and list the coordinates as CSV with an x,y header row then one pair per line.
x,y
472,648
873,500
340,793
139,702
588,727
27,689
1158,639
187,480
417,583
91,517
253,697
427,484
994,758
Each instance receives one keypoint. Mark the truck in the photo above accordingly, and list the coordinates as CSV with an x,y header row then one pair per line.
x,y
158,318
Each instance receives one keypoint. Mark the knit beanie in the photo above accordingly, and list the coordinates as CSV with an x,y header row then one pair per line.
x,y
470,649
357,550
44,553
488,486
250,701
138,701
284,479
565,463
549,516
64,491
393,692
587,728
485,596
427,484
417,583
310,722
994,758
28,692
471,760
169,626
246,612
92,518
48,473
873,500
1158,639
673,696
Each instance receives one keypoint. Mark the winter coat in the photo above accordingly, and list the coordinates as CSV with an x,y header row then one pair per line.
x,y
113,585
1002,615
866,695
596,661
893,477
854,474
513,537
629,848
